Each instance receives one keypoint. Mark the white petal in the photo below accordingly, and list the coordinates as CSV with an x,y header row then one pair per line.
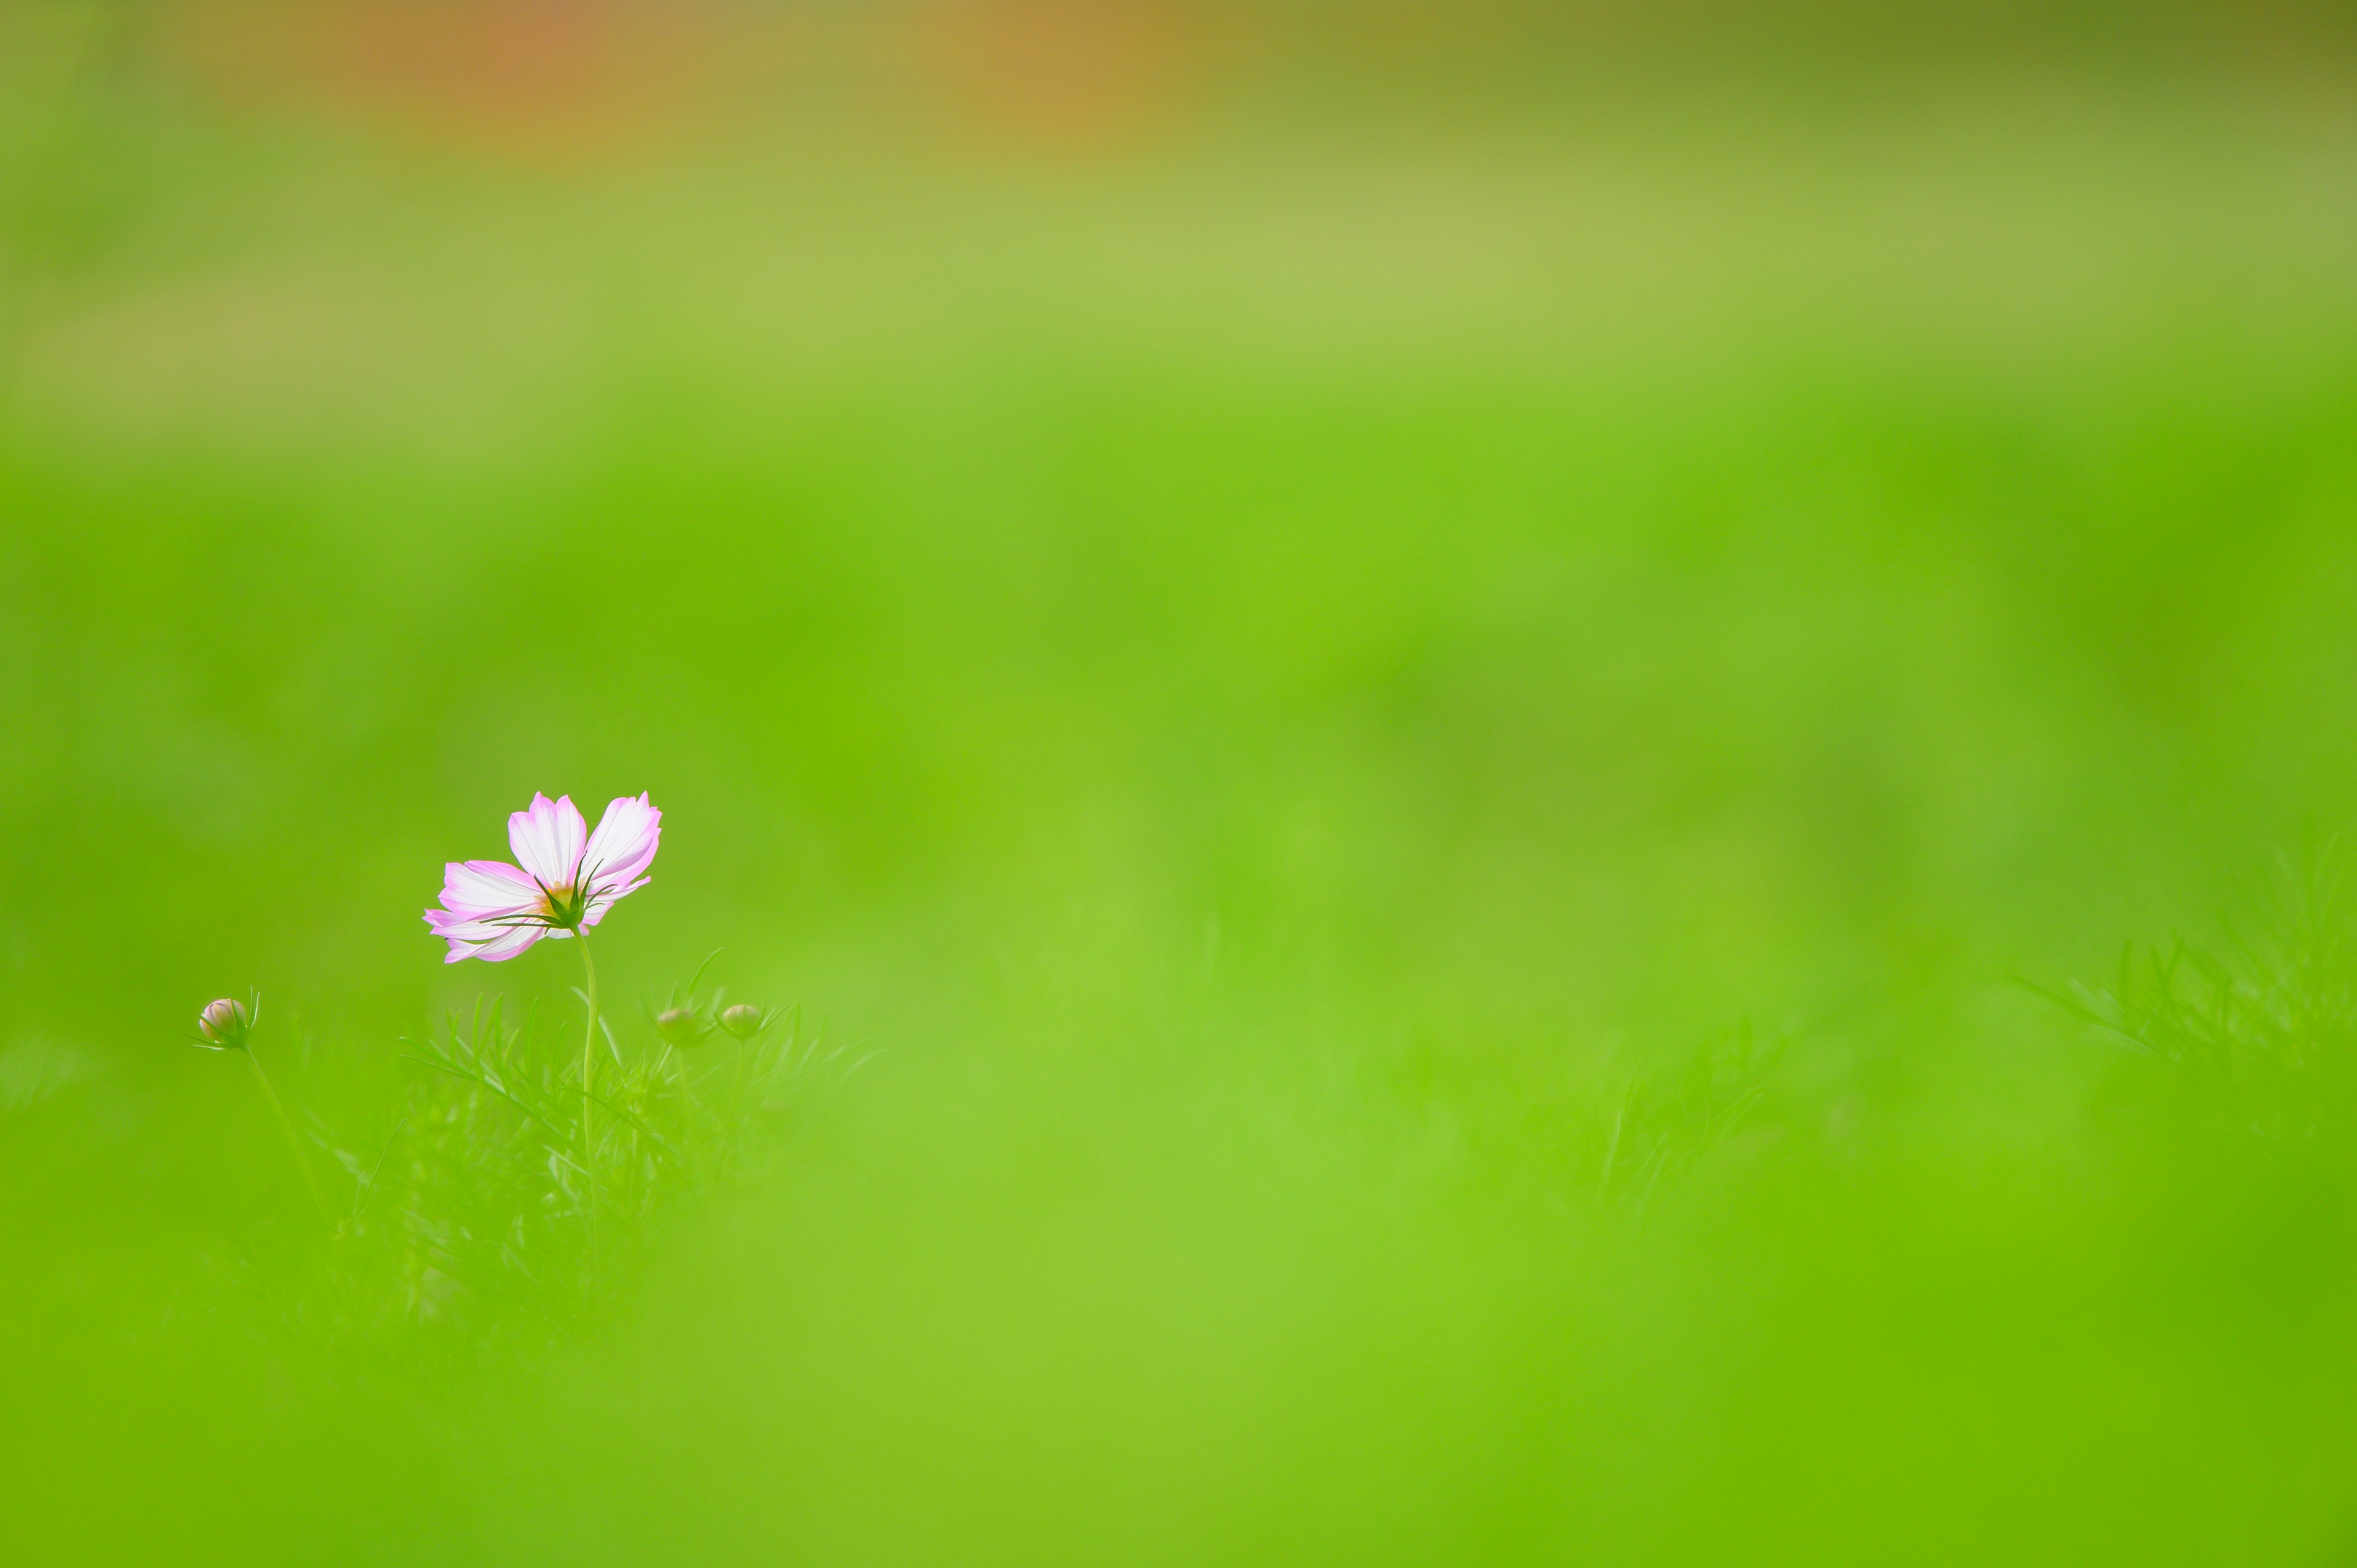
x,y
547,837
478,887
603,901
505,945
623,846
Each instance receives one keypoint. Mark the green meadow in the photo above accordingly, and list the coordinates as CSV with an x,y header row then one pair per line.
x,y
1572,826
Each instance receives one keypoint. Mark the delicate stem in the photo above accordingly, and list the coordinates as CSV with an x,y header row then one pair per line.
x,y
588,1050
286,1126
589,1155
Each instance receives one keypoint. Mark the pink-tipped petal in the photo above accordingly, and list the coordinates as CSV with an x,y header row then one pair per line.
x,y
604,900
459,928
505,944
475,889
623,848
547,837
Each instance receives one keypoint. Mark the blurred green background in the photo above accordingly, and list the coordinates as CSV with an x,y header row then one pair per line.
x,y
1313,618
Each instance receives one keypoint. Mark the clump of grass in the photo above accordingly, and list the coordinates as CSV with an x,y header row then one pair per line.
x,y
495,1209
2259,1027
1670,1118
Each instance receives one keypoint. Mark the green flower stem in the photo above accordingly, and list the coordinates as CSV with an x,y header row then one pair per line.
x,y
295,1145
588,1156
588,1051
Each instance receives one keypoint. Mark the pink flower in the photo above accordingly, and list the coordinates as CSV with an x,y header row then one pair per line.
x,y
568,878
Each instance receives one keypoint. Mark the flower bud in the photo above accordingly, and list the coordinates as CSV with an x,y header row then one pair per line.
x,y
680,1026
223,1024
744,1020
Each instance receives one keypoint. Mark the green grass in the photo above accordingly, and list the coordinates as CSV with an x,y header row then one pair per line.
x,y
1422,767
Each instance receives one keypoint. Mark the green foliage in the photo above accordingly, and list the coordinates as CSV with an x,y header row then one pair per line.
x,y
1667,1122
1300,681
482,1230
2260,1029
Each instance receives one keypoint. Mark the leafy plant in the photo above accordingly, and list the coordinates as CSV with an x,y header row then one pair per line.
x,y
496,1208
1668,1121
2261,1028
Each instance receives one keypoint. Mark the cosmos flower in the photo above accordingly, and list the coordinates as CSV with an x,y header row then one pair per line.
x,y
565,881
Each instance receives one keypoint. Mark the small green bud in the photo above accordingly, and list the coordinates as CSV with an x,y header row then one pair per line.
x,y
223,1024
744,1020
680,1026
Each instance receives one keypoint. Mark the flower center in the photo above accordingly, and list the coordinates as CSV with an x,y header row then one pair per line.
x,y
566,906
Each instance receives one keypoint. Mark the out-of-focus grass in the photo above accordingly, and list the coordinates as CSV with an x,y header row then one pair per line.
x,y
1325,691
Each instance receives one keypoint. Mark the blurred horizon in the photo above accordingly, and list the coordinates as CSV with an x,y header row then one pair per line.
x,y
554,83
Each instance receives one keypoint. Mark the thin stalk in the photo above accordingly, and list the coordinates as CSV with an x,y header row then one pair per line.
x,y
588,1156
294,1144
588,1050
